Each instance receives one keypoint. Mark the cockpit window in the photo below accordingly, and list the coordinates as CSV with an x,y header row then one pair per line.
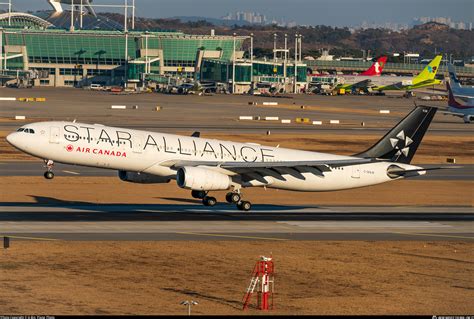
x,y
26,130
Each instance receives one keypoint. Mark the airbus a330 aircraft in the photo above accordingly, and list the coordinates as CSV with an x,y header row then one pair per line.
x,y
204,165
386,82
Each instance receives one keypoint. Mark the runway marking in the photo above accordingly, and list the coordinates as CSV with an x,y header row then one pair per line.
x,y
435,235
231,236
74,173
32,238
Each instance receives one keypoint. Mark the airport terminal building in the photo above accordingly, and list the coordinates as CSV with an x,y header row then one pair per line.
x,y
107,57
54,56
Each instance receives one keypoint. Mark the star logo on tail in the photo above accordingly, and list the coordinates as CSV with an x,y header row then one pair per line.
x,y
401,144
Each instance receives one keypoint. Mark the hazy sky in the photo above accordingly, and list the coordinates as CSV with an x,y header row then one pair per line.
x,y
311,12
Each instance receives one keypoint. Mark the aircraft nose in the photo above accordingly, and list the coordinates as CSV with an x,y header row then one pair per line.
x,y
12,138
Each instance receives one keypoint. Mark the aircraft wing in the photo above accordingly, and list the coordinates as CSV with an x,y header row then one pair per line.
x,y
258,170
362,84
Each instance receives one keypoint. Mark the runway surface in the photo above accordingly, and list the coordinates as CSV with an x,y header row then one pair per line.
x,y
35,168
224,222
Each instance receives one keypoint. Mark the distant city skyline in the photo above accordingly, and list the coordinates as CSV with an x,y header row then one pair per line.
x,y
303,12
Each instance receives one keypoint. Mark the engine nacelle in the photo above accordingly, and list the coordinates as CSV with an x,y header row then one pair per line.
x,y
202,179
468,118
142,178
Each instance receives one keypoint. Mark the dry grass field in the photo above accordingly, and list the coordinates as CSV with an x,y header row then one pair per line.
x,y
311,277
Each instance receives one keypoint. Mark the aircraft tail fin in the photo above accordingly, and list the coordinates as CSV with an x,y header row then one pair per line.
x,y
402,141
451,100
429,72
376,68
452,76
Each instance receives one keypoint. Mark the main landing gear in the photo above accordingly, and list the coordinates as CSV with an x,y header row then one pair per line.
x,y
236,198
49,173
206,200
231,198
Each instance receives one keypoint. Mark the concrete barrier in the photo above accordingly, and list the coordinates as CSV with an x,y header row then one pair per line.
x,y
7,98
257,118
384,111
286,121
317,123
20,117
334,122
271,118
248,118
135,107
270,103
121,107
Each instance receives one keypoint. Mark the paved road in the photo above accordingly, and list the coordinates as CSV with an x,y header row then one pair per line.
x,y
35,168
265,222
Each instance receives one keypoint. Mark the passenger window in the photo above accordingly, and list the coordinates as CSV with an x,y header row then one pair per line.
x,y
20,130
32,131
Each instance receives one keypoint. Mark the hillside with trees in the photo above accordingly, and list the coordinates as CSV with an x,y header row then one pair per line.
x,y
425,39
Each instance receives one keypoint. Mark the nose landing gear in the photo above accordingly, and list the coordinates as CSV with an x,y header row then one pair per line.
x,y
49,173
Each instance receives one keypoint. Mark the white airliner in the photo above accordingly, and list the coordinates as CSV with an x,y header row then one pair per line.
x,y
204,165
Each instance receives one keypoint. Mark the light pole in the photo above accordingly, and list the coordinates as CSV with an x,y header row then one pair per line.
x,y
125,16
80,17
71,28
286,58
300,40
296,61
133,14
233,65
189,304
1,48
126,58
251,60
274,46
146,53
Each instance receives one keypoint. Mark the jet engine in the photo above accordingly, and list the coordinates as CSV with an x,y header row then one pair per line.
x,y
202,179
468,118
142,178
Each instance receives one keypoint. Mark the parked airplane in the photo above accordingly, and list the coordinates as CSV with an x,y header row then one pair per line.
x,y
386,82
462,92
455,108
328,84
204,165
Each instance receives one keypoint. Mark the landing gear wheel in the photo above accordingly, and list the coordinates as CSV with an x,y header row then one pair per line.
x,y
245,206
198,194
48,175
209,201
232,198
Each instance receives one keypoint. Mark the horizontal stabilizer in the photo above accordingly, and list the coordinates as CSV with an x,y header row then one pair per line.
x,y
404,172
